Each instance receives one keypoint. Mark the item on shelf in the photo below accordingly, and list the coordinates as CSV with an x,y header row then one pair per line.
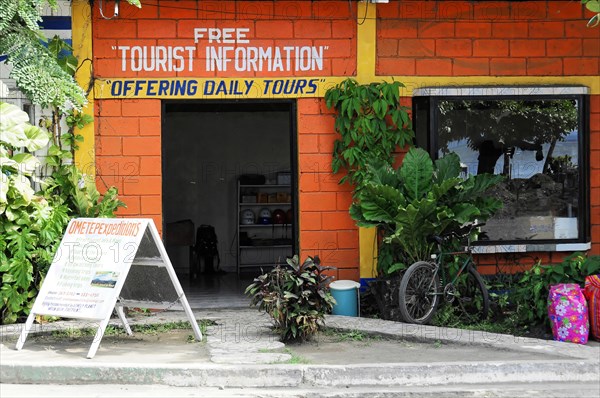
x,y
264,237
248,217
289,216
284,178
279,216
248,198
282,197
252,179
264,217
263,197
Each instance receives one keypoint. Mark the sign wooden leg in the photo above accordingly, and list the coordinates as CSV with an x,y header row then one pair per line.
x,y
169,267
25,331
98,337
121,314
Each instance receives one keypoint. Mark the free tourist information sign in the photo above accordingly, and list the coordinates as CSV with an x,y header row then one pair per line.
x,y
104,264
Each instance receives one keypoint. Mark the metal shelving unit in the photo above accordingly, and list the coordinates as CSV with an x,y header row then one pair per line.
x,y
263,245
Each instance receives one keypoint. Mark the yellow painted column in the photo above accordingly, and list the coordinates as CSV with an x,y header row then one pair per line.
x,y
81,25
366,56
366,42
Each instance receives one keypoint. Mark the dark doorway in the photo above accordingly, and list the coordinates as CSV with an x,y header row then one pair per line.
x,y
206,147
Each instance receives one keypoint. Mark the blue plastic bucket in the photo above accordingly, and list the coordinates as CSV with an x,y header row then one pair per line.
x,y
345,293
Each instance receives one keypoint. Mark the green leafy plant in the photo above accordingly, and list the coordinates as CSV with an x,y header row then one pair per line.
x,y
530,295
295,295
32,220
372,124
417,200
31,223
593,6
37,72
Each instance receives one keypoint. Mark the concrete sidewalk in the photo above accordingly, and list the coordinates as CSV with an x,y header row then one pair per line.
x,y
241,351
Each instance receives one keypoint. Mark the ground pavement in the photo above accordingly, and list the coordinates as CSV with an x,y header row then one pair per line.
x,y
241,353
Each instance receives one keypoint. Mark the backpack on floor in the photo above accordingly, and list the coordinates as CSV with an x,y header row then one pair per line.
x,y
206,248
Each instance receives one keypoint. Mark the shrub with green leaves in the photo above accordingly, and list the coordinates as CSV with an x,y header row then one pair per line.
x,y
372,125
417,200
295,295
33,222
530,295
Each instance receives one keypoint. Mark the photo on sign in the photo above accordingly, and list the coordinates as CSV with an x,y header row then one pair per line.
x,y
105,279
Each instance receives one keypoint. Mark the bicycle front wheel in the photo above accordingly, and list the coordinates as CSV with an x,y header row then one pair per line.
x,y
472,298
418,294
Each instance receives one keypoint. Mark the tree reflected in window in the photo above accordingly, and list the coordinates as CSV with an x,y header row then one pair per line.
x,y
535,143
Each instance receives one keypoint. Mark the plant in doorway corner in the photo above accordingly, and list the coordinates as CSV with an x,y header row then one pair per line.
x,y
295,295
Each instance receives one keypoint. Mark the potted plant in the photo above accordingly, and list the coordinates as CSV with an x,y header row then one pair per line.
x,y
295,295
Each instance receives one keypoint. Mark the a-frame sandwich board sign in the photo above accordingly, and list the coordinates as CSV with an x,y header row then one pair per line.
x,y
104,264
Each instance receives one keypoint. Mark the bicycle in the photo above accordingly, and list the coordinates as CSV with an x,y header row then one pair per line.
x,y
421,286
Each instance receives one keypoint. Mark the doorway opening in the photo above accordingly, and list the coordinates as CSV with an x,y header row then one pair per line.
x,y
222,161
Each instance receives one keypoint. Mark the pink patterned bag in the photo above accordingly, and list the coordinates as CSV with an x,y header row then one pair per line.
x,y
568,312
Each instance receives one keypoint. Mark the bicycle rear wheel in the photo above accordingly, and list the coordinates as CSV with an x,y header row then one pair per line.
x,y
471,298
418,298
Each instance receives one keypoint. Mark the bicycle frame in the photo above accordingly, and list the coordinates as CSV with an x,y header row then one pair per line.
x,y
457,281
441,270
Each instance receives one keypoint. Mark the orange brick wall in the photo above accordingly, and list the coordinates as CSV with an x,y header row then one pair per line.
x,y
495,38
414,38
271,23
128,154
326,228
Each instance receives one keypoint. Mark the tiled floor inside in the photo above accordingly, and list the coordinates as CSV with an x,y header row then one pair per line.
x,y
222,290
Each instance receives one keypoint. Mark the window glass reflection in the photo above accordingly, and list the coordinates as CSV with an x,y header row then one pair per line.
x,y
534,144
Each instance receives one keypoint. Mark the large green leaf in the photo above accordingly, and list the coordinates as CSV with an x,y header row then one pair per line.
x,y
23,186
3,188
416,212
465,212
380,203
13,122
447,167
36,138
438,190
22,271
477,185
5,161
593,5
26,163
416,173
381,173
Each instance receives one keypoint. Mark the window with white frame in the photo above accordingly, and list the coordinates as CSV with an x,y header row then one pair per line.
x,y
534,136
